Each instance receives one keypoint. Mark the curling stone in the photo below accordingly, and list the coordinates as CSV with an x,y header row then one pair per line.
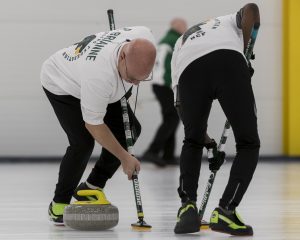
x,y
91,215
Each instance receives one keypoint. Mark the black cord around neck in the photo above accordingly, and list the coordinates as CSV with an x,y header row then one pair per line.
x,y
136,95
136,98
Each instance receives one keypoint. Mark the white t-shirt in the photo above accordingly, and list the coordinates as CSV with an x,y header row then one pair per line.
x,y
159,68
203,38
88,71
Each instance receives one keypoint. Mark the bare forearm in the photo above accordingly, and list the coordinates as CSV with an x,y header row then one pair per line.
x,y
250,15
106,139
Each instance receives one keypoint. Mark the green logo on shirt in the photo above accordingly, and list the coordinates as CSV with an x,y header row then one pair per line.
x,y
100,43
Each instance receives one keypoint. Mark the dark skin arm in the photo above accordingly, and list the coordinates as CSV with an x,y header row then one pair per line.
x,y
246,18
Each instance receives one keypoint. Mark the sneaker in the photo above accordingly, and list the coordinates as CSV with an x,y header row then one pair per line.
x,y
187,218
55,212
84,186
229,223
153,158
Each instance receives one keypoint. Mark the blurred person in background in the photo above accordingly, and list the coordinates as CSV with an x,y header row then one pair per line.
x,y
161,150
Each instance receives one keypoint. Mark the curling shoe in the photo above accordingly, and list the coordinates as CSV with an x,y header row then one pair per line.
x,y
55,213
187,218
229,222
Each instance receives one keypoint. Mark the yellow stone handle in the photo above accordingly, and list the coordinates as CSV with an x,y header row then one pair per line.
x,y
101,199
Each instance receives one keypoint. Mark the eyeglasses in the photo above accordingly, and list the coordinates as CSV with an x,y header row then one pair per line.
x,y
149,78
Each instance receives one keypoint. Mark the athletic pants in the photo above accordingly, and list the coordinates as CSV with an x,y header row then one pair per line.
x,y
164,139
68,111
222,75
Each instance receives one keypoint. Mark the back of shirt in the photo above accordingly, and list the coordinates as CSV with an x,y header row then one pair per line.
x,y
88,70
62,72
203,38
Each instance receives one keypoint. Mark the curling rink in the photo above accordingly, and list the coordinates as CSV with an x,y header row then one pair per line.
x,y
271,204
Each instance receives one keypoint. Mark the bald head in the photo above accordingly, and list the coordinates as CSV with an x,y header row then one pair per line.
x,y
179,25
140,57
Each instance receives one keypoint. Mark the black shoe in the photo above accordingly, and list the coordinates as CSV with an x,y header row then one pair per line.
x,y
153,158
229,223
55,213
83,186
187,219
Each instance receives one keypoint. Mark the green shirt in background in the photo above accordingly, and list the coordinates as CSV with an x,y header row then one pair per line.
x,y
162,71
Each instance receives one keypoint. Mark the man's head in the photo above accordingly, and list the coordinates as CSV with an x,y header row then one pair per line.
x,y
136,60
179,25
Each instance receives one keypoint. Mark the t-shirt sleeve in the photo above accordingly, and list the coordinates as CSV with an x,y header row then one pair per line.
x,y
238,18
232,19
235,22
95,96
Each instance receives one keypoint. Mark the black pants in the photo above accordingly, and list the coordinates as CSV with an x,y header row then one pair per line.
x,y
221,75
68,111
164,140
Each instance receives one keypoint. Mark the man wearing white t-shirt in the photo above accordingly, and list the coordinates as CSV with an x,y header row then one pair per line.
x,y
84,84
208,63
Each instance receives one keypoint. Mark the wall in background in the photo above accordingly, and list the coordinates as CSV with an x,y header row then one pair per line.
x,y
34,29
291,131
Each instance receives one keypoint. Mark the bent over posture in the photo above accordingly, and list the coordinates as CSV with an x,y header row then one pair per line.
x,y
208,63
84,84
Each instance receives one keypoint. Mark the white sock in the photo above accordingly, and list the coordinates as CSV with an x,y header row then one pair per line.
x,y
91,186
